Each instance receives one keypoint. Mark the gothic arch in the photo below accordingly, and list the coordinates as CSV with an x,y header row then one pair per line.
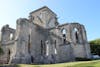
x,y
11,36
64,35
76,35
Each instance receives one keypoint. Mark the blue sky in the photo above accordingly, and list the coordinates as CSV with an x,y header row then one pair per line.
x,y
86,12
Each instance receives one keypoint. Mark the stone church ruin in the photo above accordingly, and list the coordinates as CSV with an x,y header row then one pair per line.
x,y
40,39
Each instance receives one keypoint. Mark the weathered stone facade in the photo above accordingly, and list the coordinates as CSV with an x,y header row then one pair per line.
x,y
40,39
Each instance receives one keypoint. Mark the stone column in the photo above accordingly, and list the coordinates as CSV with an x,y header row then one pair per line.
x,y
5,34
86,45
21,45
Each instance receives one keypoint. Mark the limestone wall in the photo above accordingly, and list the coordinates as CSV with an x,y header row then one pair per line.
x,y
81,46
44,17
7,34
64,50
40,39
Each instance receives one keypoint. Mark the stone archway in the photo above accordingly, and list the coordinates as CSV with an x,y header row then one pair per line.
x,y
76,35
64,35
8,55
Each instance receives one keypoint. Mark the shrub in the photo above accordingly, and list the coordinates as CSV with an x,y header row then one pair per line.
x,y
95,46
96,42
82,59
95,49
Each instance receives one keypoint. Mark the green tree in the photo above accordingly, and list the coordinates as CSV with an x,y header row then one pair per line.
x,y
95,42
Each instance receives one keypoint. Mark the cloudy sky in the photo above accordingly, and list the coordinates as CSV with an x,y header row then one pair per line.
x,y
86,12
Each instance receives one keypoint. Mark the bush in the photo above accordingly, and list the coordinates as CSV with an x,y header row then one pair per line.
x,y
82,59
96,42
95,46
95,49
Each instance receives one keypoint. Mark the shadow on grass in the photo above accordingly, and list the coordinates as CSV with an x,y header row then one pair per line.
x,y
6,65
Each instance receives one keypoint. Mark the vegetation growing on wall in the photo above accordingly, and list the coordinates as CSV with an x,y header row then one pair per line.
x,y
95,46
1,51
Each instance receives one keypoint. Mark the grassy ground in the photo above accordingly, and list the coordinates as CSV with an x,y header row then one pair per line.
x,y
95,63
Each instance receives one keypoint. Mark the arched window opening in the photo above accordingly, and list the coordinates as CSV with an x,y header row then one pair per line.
x,y
47,47
55,45
29,44
44,49
64,34
64,31
76,35
11,36
41,47
9,53
32,59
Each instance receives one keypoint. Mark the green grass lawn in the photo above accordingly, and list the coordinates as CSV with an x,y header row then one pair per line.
x,y
94,63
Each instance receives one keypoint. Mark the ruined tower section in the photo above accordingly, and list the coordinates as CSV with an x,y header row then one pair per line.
x,y
7,43
7,34
22,54
60,42
79,40
68,42
44,17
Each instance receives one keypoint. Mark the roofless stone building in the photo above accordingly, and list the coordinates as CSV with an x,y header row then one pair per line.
x,y
40,39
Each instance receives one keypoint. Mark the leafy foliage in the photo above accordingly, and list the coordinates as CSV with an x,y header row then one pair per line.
x,y
95,46
95,42
82,59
